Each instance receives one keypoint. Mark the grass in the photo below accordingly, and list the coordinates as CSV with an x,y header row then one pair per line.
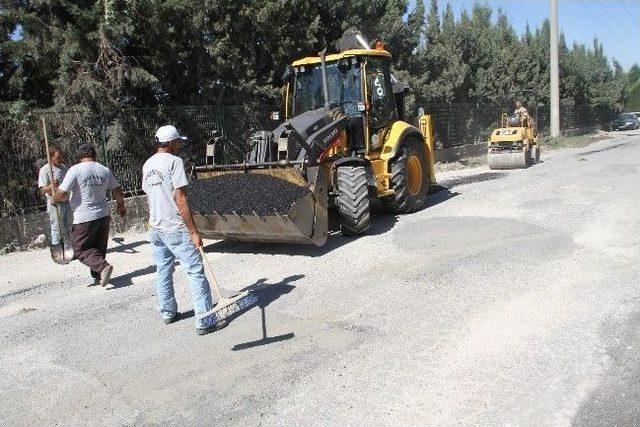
x,y
466,163
576,141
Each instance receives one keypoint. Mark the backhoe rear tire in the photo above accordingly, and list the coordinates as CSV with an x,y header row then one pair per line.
x,y
409,179
353,200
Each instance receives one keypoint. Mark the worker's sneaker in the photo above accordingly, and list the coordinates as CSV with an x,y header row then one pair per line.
x,y
215,327
169,317
105,275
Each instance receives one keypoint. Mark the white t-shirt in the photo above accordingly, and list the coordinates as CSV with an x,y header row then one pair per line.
x,y
162,173
88,183
44,176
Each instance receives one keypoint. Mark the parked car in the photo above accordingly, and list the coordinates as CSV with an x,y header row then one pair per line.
x,y
625,121
637,114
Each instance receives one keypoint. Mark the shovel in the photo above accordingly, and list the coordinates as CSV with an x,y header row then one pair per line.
x,y
61,253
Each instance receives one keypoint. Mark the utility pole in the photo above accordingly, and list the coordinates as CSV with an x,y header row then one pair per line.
x,y
554,72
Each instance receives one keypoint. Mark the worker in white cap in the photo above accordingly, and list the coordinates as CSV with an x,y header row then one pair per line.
x,y
173,233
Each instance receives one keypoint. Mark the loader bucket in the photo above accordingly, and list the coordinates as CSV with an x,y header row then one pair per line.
x,y
261,205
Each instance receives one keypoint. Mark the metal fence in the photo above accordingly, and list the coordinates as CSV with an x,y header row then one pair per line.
x,y
125,141
460,124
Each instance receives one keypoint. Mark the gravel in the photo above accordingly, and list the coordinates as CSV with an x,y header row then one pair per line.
x,y
243,193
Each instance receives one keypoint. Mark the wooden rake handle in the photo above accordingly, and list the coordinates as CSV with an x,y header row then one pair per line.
x,y
212,276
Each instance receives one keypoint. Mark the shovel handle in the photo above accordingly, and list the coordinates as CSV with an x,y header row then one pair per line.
x,y
212,276
46,147
53,181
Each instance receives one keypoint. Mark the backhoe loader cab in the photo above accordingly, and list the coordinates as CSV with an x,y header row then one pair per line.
x,y
514,144
342,143
359,83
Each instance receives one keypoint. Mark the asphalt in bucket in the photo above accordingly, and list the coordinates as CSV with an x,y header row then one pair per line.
x,y
243,193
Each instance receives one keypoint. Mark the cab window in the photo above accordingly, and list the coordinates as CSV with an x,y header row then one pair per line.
x,y
380,93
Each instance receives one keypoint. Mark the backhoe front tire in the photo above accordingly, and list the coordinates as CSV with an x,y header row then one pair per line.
x,y
408,179
353,200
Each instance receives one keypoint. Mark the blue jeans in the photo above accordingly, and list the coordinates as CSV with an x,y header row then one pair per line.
x,y
167,247
65,217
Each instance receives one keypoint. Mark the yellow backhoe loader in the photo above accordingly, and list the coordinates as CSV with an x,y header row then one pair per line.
x,y
342,143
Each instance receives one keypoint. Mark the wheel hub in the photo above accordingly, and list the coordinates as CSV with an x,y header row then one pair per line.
x,y
414,175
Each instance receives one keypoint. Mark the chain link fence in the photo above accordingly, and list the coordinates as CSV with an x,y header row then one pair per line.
x,y
123,144
125,141
460,124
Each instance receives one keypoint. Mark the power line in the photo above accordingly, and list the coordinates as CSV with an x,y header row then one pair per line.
x,y
624,5
626,9
613,17
599,20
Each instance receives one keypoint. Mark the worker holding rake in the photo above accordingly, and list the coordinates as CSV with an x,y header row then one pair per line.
x,y
173,232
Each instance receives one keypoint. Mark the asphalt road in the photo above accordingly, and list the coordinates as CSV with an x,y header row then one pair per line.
x,y
514,298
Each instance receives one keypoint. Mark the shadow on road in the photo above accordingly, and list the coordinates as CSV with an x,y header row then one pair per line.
x,y
128,248
125,280
380,224
184,316
267,293
440,194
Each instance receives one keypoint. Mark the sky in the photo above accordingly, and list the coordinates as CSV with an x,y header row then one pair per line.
x,y
616,23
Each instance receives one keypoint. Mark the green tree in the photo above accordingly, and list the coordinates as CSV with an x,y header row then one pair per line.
x,y
104,56
437,70
634,74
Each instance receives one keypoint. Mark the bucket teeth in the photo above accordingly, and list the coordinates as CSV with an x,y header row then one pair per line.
x,y
276,213
219,215
242,218
261,218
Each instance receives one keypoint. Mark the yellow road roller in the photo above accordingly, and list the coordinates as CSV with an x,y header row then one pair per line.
x,y
514,144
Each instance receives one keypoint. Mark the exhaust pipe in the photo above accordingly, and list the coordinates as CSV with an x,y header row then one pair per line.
x,y
363,42
325,85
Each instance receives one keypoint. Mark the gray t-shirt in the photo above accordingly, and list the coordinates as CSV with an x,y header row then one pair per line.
x,y
44,176
162,173
88,183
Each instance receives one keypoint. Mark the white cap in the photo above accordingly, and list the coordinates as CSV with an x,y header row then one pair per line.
x,y
168,133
